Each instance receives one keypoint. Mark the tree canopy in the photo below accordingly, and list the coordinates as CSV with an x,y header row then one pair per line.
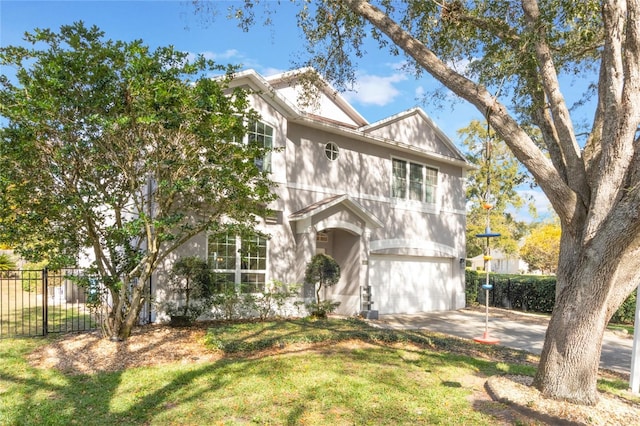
x,y
494,182
511,60
123,151
541,248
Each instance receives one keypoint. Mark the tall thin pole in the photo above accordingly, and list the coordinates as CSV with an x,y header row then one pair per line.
x,y
487,205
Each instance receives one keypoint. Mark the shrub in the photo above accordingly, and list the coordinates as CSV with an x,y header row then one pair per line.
x,y
322,271
530,293
6,264
322,309
627,311
191,283
472,278
272,302
227,303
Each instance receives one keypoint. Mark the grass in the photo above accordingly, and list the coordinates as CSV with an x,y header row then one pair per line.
x,y
621,327
393,378
29,321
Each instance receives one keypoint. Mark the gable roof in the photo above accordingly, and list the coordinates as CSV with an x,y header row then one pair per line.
x,y
339,117
383,126
330,104
345,201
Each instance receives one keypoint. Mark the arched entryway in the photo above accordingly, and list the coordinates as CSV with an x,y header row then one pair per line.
x,y
344,246
339,227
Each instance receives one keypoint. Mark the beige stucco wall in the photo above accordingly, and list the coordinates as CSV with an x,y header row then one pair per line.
x,y
304,175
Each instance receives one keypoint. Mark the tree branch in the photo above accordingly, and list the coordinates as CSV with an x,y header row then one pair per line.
x,y
559,193
619,114
560,120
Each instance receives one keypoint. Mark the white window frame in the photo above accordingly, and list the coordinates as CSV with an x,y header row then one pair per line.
x,y
255,131
238,271
254,134
405,192
331,151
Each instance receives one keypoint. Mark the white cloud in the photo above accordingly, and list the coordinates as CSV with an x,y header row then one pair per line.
x,y
374,89
227,54
461,66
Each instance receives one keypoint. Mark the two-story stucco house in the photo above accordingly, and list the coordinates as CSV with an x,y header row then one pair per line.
x,y
385,199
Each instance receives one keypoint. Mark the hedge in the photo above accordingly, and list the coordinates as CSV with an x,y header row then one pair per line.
x,y
534,293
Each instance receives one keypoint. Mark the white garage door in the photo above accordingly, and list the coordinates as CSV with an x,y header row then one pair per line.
x,y
401,284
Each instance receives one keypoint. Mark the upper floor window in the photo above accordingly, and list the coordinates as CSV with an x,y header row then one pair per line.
x,y
261,134
414,181
240,262
331,151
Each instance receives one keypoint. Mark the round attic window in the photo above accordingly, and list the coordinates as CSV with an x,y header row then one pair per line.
x,y
331,151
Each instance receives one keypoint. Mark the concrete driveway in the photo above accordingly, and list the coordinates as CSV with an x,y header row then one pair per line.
x,y
514,329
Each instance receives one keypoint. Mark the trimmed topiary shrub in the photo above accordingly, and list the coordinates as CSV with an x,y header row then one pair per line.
x,y
322,271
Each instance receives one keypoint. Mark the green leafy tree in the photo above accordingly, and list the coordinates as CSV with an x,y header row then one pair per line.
x,y
508,59
541,248
322,271
122,149
493,182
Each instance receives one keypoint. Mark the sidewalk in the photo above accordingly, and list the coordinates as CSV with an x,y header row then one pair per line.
x,y
514,329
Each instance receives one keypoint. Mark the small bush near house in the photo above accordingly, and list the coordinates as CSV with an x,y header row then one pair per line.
x,y
191,285
322,271
273,301
277,300
322,309
227,303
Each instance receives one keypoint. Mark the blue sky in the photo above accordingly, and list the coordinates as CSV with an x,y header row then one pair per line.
x,y
383,89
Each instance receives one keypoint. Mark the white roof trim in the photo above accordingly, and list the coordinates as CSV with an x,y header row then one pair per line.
x,y
430,247
370,220
327,89
265,90
358,134
413,111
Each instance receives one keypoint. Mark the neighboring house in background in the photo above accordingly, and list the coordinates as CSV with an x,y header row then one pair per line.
x,y
501,263
386,200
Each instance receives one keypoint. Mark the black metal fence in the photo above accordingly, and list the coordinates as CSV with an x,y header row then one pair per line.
x,y
39,302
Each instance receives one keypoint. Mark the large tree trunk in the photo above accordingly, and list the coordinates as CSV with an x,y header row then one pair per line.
x,y
571,354
595,191
593,281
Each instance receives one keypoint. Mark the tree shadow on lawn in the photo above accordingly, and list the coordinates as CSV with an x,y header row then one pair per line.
x,y
141,396
160,394
92,399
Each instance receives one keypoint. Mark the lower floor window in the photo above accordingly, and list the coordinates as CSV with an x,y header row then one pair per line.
x,y
238,262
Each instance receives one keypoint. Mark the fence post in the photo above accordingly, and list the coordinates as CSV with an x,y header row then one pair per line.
x,y
45,301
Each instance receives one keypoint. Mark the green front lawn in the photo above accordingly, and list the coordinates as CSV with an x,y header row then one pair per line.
x,y
352,374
